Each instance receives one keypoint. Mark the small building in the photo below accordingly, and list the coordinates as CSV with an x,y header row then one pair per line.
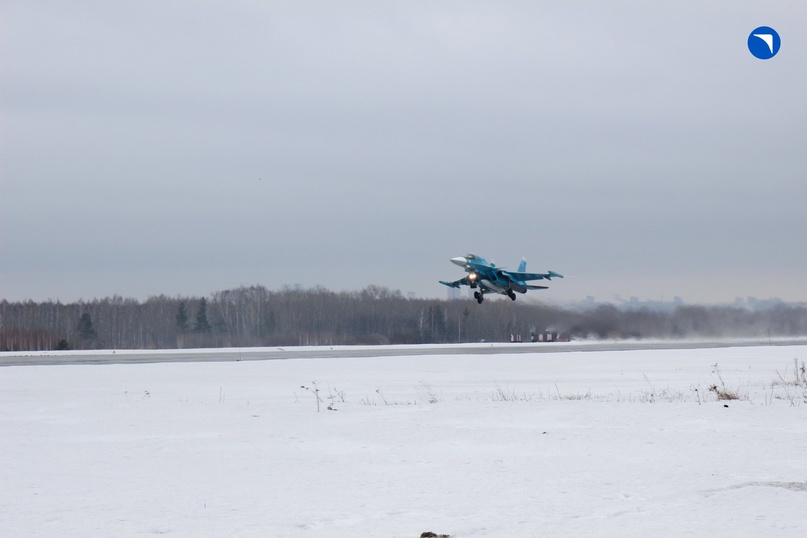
x,y
545,336
549,336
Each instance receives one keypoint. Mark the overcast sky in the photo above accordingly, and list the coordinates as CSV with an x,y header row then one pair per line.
x,y
186,147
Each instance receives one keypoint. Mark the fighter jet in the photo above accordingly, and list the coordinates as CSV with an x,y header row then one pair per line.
x,y
485,277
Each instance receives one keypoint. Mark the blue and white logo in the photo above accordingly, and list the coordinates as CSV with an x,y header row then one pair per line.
x,y
764,42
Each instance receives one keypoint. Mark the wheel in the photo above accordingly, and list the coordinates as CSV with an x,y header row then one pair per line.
x,y
511,294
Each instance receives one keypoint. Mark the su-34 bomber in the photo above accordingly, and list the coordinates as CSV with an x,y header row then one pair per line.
x,y
484,277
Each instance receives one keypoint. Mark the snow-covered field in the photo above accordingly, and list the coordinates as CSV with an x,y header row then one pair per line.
x,y
608,443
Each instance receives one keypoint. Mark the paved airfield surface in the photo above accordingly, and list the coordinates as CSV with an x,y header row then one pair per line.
x,y
130,356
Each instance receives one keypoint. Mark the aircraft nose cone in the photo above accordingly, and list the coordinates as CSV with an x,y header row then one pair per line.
x,y
459,260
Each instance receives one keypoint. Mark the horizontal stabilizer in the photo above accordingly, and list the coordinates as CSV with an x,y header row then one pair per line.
x,y
531,287
530,276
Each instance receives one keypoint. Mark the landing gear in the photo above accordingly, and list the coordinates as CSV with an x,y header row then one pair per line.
x,y
511,294
479,296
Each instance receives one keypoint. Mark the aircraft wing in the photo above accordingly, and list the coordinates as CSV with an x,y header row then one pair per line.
x,y
523,277
456,283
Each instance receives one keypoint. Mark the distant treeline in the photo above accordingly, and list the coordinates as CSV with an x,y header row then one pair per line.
x,y
256,316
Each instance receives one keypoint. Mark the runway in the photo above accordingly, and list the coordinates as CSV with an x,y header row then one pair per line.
x,y
104,357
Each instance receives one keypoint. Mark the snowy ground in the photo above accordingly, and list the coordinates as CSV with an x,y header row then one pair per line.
x,y
609,443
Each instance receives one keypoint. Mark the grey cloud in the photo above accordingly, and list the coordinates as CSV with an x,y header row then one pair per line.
x,y
356,142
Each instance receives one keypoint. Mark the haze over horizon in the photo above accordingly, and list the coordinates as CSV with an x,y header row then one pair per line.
x,y
182,149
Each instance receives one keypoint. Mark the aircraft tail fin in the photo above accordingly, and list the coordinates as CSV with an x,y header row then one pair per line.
x,y
522,267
